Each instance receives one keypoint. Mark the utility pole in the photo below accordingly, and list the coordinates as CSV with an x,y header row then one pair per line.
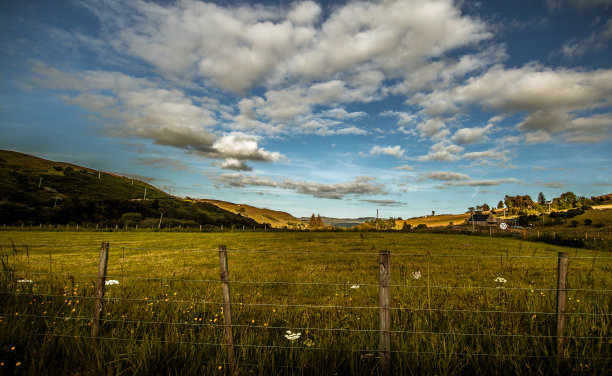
x,y
145,194
40,183
473,228
160,220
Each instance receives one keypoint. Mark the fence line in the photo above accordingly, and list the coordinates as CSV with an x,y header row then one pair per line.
x,y
310,348
495,335
306,252
497,288
155,300
384,331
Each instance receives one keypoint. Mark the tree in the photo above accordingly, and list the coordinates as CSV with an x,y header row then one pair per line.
x,y
485,207
541,199
500,205
433,213
315,222
567,200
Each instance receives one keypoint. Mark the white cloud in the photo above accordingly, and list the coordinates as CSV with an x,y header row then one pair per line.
x,y
394,151
598,40
466,136
444,176
242,147
404,168
241,47
554,100
482,183
442,151
234,164
361,186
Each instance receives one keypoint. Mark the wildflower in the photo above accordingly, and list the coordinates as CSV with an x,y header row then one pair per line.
x,y
17,364
355,287
292,336
220,367
309,343
252,321
112,282
501,280
416,275
13,348
25,281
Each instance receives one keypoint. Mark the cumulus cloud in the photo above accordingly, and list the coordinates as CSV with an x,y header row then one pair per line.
x,y
554,100
444,176
242,147
394,151
361,186
466,136
488,157
234,164
442,151
242,46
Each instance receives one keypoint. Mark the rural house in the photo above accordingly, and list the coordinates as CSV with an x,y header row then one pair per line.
x,y
482,220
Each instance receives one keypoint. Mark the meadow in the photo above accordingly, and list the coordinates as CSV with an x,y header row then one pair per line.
x,y
459,304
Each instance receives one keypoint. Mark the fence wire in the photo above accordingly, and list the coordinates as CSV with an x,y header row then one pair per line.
x,y
171,301
350,285
312,348
267,327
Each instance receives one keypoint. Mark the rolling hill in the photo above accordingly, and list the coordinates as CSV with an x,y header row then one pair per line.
x,y
36,190
274,218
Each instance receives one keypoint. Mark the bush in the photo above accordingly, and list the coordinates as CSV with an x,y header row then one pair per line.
x,y
588,222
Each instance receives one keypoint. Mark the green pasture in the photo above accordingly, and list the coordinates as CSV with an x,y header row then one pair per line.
x,y
164,316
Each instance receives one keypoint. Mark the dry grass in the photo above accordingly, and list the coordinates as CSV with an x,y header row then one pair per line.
x,y
435,220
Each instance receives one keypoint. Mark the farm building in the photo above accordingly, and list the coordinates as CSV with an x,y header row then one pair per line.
x,y
483,220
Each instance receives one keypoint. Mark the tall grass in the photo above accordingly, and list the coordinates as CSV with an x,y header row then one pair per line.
x,y
165,317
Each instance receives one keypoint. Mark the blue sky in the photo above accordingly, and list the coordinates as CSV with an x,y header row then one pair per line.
x,y
339,107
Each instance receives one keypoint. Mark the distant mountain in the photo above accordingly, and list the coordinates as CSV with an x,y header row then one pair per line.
x,y
36,190
273,218
340,222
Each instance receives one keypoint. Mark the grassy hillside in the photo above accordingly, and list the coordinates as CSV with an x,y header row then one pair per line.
x,y
274,218
35,190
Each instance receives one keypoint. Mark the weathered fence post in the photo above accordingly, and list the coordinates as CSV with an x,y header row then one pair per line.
x,y
384,299
100,286
561,303
227,305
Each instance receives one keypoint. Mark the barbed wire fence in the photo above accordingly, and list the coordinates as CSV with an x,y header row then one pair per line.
x,y
384,307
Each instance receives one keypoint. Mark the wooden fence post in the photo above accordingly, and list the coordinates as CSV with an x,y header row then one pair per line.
x,y
561,303
384,299
227,306
100,287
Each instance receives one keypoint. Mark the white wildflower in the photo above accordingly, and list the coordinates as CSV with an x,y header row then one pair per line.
x,y
416,275
501,280
112,282
355,287
25,281
292,336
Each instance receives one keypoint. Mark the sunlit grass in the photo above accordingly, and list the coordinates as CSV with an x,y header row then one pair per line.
x,y
164,315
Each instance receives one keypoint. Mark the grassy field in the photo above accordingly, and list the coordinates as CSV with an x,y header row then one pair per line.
x,y
164,317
